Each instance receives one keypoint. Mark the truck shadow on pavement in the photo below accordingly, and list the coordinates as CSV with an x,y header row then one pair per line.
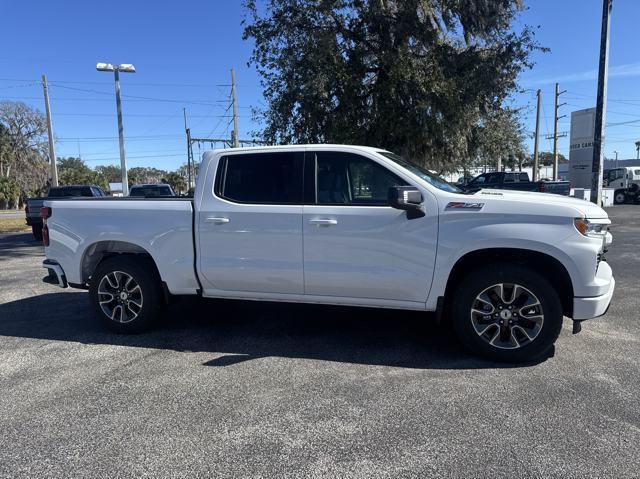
x,y
16,245
237,331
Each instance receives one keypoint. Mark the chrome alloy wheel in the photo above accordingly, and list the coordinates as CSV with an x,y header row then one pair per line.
x,y
120,297
507,316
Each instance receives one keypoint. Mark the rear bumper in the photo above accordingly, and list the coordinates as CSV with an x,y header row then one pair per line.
x,y
31,221
592,307
56,273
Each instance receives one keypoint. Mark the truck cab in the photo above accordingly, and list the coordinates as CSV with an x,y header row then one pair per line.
x,y
626,183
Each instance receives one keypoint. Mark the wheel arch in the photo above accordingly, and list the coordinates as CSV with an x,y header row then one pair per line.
x,y
97,252
542,263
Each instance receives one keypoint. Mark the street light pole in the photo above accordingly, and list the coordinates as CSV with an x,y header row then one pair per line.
x,y
123,161
116,69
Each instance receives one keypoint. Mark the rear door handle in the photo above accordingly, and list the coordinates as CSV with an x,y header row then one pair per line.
x,y
218,220
323,222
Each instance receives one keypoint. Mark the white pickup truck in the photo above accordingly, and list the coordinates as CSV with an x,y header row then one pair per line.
x,y
345,225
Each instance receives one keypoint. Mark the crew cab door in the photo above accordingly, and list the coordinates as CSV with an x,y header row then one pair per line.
x,y
355,244
250,224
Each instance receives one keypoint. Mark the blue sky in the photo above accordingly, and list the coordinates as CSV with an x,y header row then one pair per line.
x,y
183,53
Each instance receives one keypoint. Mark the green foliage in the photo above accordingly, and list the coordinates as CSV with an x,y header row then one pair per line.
x,y
145,174
9,189
74,171
177,182
110,172
417,77
23,152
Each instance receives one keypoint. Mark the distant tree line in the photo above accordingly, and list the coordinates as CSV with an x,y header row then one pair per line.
x,y
24,161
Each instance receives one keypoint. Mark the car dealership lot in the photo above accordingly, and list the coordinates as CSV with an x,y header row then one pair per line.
x,y
230,389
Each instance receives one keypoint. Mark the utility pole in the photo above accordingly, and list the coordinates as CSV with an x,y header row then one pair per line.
x,y
535,141
555,131
601,103
616,153
52,150
189,153
234,135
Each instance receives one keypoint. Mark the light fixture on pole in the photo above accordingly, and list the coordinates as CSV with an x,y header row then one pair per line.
x,y
116,69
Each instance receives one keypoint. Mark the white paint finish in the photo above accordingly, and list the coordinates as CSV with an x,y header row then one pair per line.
x,y
371,256
371,252
162,228
259,249
592,307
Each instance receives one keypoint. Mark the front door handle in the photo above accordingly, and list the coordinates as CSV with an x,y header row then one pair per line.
x,y
218,220
323,222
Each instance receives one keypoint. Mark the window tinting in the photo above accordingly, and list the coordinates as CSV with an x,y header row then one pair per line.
x,y
150,191
345,178
69,191
270,178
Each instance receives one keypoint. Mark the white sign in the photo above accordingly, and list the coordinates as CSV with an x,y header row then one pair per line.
x,y
581,147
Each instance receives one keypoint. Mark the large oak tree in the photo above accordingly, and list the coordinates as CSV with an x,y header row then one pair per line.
x,y
419,77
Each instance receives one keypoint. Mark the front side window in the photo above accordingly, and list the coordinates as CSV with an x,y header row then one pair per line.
x,y
263,178
350,179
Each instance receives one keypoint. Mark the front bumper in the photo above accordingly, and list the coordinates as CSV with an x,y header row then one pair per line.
x,y
592,307
56,273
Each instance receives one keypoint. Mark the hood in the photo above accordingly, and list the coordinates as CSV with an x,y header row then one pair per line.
x,y
585,208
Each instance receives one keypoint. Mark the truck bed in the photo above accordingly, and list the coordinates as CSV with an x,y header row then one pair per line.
x,y
161,227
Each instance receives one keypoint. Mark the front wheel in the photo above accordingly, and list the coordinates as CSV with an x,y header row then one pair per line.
x,y
125,293
507,313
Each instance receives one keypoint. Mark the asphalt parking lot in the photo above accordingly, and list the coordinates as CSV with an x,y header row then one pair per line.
x,y
233,389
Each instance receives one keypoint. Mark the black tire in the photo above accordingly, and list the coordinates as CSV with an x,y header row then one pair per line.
x,y
126,316
619,197
535,285
37,232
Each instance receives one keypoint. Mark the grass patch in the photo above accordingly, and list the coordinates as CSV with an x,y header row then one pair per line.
x,y
8,225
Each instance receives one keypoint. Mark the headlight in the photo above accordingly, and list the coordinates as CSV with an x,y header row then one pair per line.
x,y
589,228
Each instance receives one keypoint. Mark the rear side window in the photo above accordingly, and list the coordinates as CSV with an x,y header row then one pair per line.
x,y
262,178
509,177
524,177
350,179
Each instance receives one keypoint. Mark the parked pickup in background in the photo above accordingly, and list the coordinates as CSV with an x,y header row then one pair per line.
x,y
32,209
516,181
342,225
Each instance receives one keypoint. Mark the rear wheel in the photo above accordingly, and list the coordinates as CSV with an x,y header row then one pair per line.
x,y
37,232
509,313
619,197
125,293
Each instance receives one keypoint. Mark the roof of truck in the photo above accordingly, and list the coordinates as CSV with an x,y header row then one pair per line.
x,y
293,147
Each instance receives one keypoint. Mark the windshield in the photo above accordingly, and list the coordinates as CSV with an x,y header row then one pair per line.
x,y
62,192
150,191
616,173
423,173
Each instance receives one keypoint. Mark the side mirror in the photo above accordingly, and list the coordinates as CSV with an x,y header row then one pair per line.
x,y
407,198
